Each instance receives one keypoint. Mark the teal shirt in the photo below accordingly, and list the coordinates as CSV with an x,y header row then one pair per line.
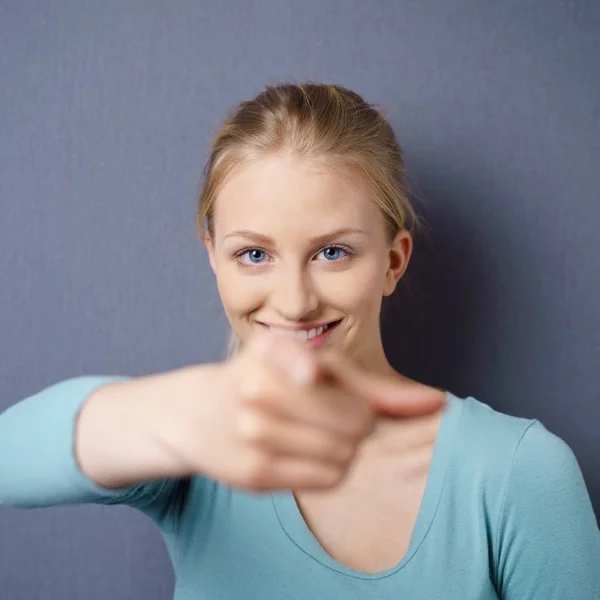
x,y
505,514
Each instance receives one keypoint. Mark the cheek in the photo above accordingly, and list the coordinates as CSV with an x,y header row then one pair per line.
x,y
356,291
239,293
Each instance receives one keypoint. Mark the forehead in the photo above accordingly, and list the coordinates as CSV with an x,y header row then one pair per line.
x,y
290,193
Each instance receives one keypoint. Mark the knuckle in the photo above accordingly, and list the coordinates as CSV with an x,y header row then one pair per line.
x,y
348,451
253,427
334,476
252,385
343,452
355,428
366,428
257,469
362,423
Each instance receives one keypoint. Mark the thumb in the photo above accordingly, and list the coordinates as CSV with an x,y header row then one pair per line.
x,y
391,396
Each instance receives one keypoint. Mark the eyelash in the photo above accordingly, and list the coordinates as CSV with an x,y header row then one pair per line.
x,y
238,255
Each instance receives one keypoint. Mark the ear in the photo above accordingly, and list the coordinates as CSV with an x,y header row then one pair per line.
x,y
208,243
399,257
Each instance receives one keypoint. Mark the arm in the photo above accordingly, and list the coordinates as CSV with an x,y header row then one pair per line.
x,y
125,431
549,543
90,439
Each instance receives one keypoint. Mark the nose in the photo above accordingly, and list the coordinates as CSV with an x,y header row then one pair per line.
x,y
294,296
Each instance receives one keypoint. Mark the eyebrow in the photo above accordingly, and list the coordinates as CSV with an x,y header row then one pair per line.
x,y
318,239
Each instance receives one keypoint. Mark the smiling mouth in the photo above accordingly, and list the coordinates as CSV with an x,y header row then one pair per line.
x,y
304,335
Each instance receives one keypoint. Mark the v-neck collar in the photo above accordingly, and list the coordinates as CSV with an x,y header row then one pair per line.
x,y
295,527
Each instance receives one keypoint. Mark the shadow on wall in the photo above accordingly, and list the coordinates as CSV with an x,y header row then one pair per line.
x,y
430,324
466,314
472,314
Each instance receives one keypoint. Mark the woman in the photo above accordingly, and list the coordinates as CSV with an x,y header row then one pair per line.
x,y
304,466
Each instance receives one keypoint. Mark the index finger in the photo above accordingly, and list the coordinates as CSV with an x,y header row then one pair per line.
x,y
397,397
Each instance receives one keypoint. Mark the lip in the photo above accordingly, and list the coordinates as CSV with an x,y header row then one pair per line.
x,y
298,327
319,340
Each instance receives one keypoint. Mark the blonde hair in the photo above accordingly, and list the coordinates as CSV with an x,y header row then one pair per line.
x,y
316,121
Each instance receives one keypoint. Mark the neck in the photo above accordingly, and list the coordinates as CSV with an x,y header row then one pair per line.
x,y
372,357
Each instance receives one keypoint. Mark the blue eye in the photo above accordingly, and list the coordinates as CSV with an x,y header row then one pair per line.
x,y
333,253
248,256
255,256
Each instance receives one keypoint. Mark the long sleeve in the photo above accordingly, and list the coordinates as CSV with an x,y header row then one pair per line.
x,y
548,539
37,462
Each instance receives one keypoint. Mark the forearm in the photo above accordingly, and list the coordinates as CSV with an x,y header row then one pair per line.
x,y
126,431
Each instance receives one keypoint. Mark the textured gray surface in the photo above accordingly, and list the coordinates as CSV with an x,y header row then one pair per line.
x,y
107,109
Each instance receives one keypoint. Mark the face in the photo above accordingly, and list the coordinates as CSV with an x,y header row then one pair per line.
x,y
299,246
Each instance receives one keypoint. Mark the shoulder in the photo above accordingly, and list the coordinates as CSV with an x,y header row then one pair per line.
x,y
506,454
486,437
513,442
514,461
544,473
523,482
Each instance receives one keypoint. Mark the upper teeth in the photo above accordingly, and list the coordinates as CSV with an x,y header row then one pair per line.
x,y
304,334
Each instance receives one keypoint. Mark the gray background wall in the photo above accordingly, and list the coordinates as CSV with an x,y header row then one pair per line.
x,y
106,113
